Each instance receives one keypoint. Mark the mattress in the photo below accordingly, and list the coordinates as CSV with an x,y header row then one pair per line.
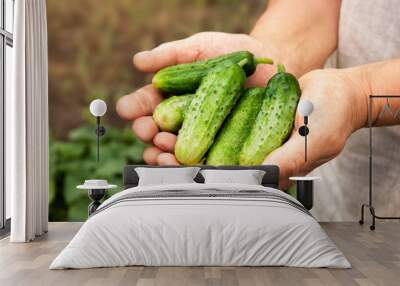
x,y
201,225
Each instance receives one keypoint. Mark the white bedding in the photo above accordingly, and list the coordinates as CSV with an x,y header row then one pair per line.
x,y
183,231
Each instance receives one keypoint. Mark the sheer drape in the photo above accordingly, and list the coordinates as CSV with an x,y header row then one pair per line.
x,y
27,124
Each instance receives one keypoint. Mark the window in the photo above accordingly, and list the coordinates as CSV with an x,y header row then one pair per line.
x,y
6,62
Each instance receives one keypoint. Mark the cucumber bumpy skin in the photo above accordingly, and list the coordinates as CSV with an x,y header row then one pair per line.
x,y
186,78
275,120
169,114
236,128
217,94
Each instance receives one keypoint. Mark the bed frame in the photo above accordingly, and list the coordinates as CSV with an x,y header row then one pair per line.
x,y
271,177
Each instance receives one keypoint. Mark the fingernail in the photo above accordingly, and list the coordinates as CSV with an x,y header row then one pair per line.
x,y
140,55
140,58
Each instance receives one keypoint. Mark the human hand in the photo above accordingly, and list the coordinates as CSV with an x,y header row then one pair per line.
x,y
139,105
339,109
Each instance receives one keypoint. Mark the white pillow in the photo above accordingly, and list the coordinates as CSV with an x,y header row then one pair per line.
x,y
247,177
166,176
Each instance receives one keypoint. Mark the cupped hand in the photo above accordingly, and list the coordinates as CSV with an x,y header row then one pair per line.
x,y
139,105
339,105
338,101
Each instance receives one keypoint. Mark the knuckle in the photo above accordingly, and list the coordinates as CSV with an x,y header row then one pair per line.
x,y
143,101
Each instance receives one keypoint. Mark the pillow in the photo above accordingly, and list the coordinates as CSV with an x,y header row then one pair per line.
x,y
166,176
247,177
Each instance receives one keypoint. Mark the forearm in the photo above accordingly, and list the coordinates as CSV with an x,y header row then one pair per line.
x,y
299,34
381,78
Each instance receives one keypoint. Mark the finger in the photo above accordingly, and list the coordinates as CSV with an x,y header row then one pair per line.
x,y
145,128
261,76
290,158
165,141
139,103
172,53
150,155
285,184
167,159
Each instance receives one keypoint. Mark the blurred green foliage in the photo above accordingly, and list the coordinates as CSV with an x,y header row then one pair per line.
x,y
74,161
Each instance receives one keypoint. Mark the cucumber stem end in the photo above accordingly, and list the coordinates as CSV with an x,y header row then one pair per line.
x,y
263,61
281,68
242,62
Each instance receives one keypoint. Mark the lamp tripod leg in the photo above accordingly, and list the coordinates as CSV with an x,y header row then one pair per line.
x,y
98,138
305,148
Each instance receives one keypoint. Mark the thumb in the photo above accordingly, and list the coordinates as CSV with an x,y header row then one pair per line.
x,y
167,54
290,158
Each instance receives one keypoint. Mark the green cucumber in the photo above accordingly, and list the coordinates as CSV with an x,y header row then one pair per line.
x,y
186,78
274,122
214,99
170,112
236,128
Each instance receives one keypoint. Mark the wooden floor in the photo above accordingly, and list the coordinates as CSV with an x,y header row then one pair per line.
x,y
375,257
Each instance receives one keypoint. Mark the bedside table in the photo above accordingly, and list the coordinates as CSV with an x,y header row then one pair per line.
x,y
305,190
96,190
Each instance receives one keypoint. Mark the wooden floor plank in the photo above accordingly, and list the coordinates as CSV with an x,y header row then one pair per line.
x,y
375,257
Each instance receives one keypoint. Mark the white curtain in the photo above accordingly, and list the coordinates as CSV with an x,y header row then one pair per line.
x,y
27,124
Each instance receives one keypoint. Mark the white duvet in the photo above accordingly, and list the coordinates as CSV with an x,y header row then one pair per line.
x,y
192,231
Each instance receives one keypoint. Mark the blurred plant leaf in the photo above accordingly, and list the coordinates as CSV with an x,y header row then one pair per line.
x,y
74,161
84,134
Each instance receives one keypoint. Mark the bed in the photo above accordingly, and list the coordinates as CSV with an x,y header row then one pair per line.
x,y
201,224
